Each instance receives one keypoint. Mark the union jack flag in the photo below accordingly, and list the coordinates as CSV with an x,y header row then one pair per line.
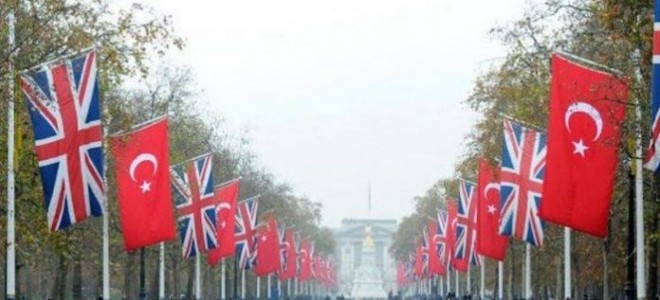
x,y
425,251
63,102
652,158
441,239
466,226
521,179
192,186
245,232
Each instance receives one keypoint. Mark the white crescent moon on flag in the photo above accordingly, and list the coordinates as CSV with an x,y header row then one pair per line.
x,y
223,205
148,157
588,109
491,186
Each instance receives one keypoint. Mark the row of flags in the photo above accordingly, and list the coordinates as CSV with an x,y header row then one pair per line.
x,y
63,103
564,176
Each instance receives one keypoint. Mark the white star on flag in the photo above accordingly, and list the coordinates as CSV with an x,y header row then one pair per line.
x,y
145,187
491,209
580,148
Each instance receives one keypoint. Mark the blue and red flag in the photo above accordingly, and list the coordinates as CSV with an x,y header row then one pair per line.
x,y
63,102
192,185
442,240
521,182
652,158
466,227
245,232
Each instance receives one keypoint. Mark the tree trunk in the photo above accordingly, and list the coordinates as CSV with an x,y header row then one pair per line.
x,y
175,275
130,278
189,283
77,280
59,286
512,272
153,285
606,292
559,286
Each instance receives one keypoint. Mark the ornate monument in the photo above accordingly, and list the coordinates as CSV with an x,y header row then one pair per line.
x,y
365,267
368,280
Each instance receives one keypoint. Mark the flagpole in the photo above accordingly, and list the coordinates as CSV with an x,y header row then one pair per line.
x,y
288,288
279,288
456,283
198,283
161,272
500,280
441,286
567,263
528,272
258,287
11,233
223,280
268,292
106,234
448,280
243,284
469,283
639,206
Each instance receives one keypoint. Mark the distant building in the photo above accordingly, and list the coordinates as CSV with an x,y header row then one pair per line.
x,y
350,236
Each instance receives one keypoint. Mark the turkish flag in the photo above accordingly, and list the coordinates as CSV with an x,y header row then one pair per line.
x,y
452,213
288,258
226,196
435,266
143,183
586,111
268,247
305,264
489,242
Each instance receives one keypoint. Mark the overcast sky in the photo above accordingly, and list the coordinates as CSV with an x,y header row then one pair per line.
x,y
340,93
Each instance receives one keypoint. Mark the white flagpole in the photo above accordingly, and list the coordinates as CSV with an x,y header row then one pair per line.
x,y
482,281
567,263
288,288
11,233
448,279
198,283
258,287
469,287
456,283
500,280
639,207
441,287
223,281
268,292
106,236
161,272
279,288
243,284
528,272
295,286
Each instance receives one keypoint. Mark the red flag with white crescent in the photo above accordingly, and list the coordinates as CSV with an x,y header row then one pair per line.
x,y
143,183
226,195
587,108
489,242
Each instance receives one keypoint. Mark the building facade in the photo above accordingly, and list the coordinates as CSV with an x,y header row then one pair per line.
x,y
350,237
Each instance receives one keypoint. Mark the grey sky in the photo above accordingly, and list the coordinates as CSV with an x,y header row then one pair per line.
x,y
338,93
